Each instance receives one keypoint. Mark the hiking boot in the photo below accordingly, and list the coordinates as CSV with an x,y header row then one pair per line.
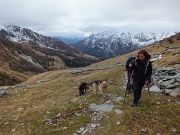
x,y
134,104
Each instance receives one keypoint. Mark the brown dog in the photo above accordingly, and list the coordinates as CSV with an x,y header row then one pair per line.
x,y
99,85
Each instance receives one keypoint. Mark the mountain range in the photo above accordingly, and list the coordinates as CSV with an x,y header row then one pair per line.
x,y
24,53
110,44
107,44
48,45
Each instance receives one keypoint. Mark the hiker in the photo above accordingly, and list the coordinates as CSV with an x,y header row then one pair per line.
x,y
142,71
129,86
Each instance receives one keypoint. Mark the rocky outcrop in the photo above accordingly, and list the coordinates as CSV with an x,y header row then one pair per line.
x,y
166,80
4,89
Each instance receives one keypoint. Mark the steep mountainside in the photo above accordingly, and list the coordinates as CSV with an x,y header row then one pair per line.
x,y
24,52
50,46
111,44
24,35
19,61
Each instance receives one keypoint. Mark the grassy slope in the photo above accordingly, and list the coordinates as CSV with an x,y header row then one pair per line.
x,y
14,77
55,96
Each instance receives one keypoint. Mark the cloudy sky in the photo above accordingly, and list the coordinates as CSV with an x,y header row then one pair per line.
x,y
82,17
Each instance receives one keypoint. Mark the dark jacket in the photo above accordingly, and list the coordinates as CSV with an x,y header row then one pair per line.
x,y
140,73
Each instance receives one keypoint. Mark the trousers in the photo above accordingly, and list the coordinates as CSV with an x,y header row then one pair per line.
x,y
137,88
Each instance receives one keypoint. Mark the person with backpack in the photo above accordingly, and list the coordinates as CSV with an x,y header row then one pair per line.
x,y
129,86
142,71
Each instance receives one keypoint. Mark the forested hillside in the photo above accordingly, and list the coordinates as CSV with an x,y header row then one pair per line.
x,y
20,61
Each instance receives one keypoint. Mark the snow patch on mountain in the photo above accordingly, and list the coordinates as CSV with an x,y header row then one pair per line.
x,y
29,59
141,39
111,43
24,35
103,45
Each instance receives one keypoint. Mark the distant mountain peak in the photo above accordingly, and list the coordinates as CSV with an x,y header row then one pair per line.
x,y
69,40
48,45
111,43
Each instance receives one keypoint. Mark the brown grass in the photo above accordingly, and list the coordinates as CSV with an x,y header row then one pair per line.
x,y
48,99
55,96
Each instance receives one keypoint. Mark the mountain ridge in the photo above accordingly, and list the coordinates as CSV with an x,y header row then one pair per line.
x,y
50,45
111,44
25,53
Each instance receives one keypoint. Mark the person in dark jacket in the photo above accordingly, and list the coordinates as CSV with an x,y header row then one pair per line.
x,y
142,71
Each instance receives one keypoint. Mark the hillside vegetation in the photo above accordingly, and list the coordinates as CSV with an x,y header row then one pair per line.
x,y
54,95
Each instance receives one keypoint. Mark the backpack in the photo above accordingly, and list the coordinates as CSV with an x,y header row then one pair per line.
x,y
129,60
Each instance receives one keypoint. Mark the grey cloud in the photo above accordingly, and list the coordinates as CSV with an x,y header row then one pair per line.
x,y
81,17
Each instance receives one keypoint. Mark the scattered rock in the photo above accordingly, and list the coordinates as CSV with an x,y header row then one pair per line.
x,y
3,93
118,99
20,109
102,107
166,80
93,125
144,130
118,123
65,128
118,111
155,89
174,130
6,123
13,130
15,117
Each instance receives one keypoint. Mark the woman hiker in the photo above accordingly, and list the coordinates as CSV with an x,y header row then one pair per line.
x,y
142,71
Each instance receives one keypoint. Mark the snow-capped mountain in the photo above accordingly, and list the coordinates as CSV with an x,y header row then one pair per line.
x,y
24,35
47,45
111,44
